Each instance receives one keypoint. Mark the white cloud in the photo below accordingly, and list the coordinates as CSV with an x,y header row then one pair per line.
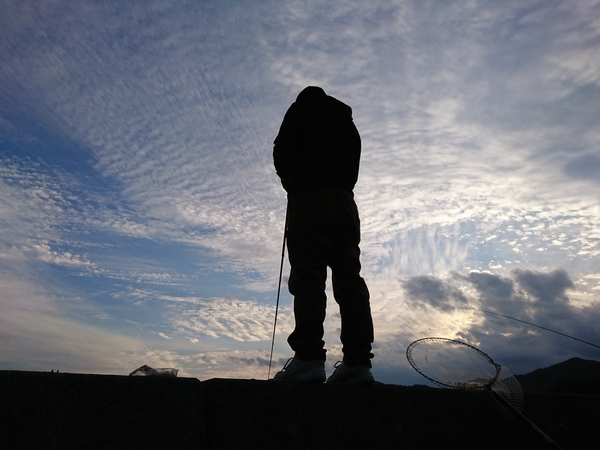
x,y
147,131
243,321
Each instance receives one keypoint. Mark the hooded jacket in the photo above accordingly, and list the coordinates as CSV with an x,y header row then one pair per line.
x,y
318,143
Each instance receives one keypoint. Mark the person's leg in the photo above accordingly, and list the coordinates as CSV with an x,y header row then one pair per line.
x,y
309,220
309,312
349,288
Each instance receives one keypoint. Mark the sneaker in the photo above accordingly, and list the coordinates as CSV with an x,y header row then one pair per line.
x,y
297,370
360,374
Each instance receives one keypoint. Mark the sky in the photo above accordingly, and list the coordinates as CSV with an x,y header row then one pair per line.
x,y
141,219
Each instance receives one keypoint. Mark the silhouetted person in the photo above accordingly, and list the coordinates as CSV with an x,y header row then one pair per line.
x,y
317,156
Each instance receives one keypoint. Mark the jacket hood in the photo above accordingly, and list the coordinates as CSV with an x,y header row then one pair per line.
x,y
311,93
317,94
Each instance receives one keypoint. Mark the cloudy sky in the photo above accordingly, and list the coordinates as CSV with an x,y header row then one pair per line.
x,y
141,220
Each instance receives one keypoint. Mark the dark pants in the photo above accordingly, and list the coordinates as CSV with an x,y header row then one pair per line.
x,y
324,230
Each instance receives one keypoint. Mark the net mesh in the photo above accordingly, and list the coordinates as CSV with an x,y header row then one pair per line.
x,y
509,388
451,363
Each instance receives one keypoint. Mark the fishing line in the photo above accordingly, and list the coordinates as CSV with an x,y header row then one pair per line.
x,y
534,325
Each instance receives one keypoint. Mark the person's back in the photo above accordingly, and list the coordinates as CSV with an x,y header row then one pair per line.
x,y
321,145
317,155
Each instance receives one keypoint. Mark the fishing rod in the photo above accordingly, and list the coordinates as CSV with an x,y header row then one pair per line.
x,y
278,291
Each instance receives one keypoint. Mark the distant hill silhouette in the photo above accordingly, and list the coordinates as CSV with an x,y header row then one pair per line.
x,y
574,376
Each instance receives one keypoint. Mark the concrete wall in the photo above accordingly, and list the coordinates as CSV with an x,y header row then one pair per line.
x,y
56,411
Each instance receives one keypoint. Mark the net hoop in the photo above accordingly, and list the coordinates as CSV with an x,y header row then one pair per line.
x,y
436,359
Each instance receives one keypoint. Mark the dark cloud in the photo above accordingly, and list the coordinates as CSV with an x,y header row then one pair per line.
x,y
529,309
545,287
492,287
497,293
433,291
586,166
249,361
527,293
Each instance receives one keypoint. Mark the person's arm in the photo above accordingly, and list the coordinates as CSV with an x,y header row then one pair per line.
x,y
284,147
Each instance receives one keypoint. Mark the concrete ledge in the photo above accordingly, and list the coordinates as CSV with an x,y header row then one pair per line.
x,y
62,411
258,414
571,420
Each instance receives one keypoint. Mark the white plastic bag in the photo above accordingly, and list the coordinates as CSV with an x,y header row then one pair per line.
x,y
150,372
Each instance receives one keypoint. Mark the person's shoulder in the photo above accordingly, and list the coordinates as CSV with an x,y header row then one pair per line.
x,y
294,109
